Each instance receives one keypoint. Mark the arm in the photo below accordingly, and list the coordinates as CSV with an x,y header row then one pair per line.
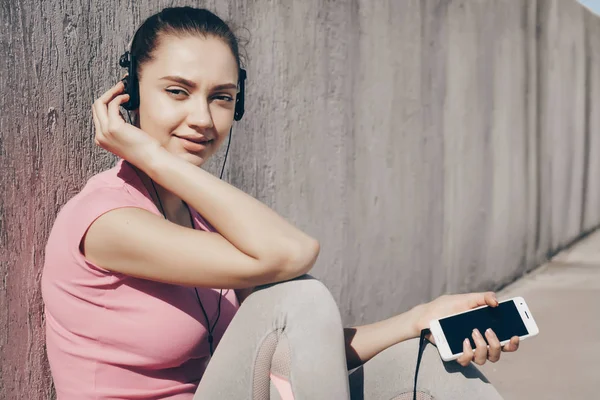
x,y
249,225
253,246
366,341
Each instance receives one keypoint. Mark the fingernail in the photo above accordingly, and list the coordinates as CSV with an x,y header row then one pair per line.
x,y
476,332
488,331
466,342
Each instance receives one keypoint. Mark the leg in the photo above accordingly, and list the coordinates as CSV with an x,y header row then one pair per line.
x,y
390,376
290,328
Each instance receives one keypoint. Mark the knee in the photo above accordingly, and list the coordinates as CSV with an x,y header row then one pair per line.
x,y
305,285
302,293
316,293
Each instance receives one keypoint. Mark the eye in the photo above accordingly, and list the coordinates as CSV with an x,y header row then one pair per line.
x,y
178,93
223,97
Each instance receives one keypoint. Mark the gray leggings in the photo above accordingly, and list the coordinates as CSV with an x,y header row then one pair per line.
x,y
293,329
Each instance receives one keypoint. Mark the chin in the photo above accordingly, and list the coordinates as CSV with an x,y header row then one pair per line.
x,y
196,159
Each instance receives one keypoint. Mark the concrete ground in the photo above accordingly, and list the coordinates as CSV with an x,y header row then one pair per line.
x,y
563,361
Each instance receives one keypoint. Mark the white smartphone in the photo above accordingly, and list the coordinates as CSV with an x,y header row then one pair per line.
x,y
510,318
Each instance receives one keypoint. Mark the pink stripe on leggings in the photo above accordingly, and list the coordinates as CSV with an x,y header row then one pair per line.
x,y
283,387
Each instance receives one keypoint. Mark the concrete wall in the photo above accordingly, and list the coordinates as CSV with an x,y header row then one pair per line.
x,y
431,146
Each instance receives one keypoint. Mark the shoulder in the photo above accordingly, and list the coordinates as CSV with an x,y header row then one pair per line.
x,y
108,190
118,184
120,180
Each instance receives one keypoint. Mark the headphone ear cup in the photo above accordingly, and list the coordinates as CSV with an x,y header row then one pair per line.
x,y
130,104
239,101
125,84
239,109
130,82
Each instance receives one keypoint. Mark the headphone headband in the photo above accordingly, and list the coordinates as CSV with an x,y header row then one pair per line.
x,y
127,60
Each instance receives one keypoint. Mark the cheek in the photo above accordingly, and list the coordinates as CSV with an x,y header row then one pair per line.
x,y
159,116
222,119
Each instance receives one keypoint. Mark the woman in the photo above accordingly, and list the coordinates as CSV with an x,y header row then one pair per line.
x,y
146,267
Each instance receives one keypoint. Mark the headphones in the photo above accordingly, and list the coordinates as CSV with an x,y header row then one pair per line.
x,y
127,60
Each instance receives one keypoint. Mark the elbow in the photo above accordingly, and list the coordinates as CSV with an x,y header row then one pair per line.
x,y
302,257
298,259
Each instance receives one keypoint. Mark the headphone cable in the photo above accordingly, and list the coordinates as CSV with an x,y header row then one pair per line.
x,y
209,328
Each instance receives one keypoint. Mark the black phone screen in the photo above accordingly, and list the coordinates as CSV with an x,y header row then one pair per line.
x,y
504,320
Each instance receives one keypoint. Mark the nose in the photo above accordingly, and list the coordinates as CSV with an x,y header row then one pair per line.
x,y
199,115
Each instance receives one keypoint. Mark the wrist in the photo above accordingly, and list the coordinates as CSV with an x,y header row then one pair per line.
x,y
151,159
416,320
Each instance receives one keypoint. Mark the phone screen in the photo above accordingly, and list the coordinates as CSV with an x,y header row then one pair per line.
x,y
504,320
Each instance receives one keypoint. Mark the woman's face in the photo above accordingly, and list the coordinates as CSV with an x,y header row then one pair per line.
x,y
187,95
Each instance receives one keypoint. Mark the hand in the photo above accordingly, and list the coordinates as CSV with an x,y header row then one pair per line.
x,y
116,135
452,304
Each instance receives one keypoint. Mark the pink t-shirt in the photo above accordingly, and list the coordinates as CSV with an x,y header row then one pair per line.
x,y
113,336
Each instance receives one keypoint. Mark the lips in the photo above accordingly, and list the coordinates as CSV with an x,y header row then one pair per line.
x,y
197,140
194,145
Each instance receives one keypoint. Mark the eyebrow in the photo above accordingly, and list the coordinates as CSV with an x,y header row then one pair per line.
x,y
191,84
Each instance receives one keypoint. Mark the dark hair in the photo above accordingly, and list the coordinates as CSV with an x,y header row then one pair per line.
x,y
180,21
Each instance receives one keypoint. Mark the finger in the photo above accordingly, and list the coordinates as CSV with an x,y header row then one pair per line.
x,y
482,299
112,92
100,115
467,355
481,350
491,299
96,122
113,107
100,105
494,350
511,346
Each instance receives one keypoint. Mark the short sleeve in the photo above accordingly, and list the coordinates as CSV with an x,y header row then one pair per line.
x,y
96,203
89,206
